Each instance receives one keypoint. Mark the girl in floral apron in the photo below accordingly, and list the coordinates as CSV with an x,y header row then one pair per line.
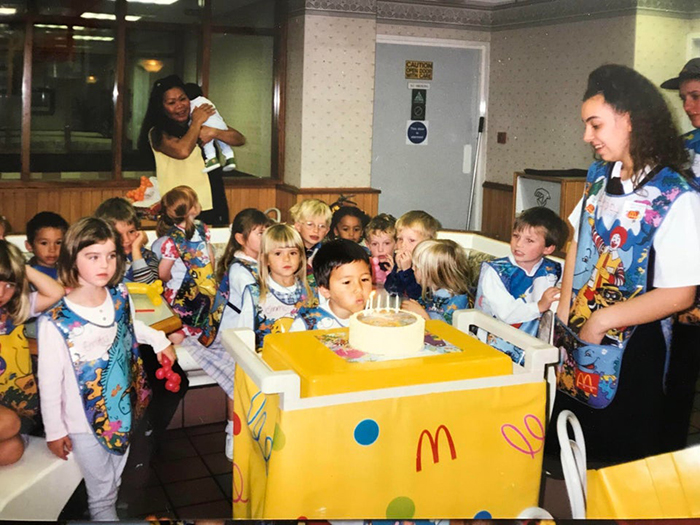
x,y
634,261
19,402
187,264
91,379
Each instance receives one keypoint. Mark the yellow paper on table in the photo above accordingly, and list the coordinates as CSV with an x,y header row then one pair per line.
x,y
664,486
450,454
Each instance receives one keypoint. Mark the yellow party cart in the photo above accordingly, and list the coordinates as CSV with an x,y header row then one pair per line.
x,y
321,432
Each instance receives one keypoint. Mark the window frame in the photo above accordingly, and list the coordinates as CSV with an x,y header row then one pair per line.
x,y
204,28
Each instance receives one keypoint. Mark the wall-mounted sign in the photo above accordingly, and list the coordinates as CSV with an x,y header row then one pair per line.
x,y
418,85
417,70
417,133
418,98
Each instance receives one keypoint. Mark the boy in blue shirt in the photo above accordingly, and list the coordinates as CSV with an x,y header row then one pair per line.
x,y
342,272
45,233
519,288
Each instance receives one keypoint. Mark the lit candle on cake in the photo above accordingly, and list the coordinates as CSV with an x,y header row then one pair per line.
x,y
370,302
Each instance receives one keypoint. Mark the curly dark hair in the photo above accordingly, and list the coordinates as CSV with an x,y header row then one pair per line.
x,y
654,140
343,211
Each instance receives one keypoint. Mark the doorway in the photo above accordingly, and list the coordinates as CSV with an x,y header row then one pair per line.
x,y
430,166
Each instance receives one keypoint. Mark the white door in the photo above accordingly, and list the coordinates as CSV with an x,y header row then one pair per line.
x,y
432,170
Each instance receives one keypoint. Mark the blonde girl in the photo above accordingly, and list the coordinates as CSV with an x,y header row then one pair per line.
x,y
442,270
186,267
18,393
282,287
91,379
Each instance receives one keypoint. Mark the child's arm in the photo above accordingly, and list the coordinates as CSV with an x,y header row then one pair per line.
x,y
48,290
51,366
164,267
145,268
170,254
414,306
651,306
246,319
567,283
493,298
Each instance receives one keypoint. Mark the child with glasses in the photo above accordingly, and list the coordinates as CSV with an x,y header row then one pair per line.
x,y
312,219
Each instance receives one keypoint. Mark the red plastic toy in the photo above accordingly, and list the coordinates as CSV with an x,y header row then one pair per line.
x,y
172,379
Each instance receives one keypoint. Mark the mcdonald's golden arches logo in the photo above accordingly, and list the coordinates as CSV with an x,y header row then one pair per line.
x,y
434,445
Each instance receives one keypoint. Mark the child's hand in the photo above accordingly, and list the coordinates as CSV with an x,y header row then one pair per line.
x,y
61,447
413,306
386,262
168,352
403,260
139,240
548,297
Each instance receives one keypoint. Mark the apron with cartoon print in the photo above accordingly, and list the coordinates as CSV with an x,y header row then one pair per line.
x,y
277,312
318,318
210,328
114,390
193,300
616,233
18,388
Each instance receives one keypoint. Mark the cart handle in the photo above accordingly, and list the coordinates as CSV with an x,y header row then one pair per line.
x,y
240,343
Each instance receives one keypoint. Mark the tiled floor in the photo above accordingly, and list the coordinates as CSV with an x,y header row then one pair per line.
x,y
188,477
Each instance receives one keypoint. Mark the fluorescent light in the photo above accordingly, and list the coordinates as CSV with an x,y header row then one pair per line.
x,y
8,11
107,16
157,2
95,38
50,26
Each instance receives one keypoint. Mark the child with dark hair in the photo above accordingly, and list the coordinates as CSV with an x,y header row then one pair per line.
x,y
45,233
211,162
349,223
519,288
634,261
141,263
342,272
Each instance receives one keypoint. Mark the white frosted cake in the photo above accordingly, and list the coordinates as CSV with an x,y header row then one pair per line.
x,y
387,332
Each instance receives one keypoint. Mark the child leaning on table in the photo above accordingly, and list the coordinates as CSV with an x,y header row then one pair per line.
x,y
91,380
411,228
342,272
519,288
442,270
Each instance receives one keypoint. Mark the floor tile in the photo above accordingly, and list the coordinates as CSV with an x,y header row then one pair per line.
x,y
225,482
209,443
139,475
175,449
174,433
142,500
218,463
211,428
220,509
194,491
181,469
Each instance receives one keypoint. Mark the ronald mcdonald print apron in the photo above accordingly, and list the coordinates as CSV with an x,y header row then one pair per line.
x,y
616,233
114,390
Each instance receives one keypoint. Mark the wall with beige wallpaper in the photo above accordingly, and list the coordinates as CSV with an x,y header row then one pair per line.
x,y
537,78
661,52
294,97
337,102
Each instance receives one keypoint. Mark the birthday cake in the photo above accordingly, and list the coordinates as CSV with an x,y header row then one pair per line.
x,y
388,332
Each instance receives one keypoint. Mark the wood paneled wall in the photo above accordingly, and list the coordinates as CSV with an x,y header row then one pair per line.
x,y
20,202
497,212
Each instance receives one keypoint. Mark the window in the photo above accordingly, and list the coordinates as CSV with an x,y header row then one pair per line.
x,y
80,126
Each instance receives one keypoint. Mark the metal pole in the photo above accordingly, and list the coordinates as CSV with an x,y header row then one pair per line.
x,y
482,120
